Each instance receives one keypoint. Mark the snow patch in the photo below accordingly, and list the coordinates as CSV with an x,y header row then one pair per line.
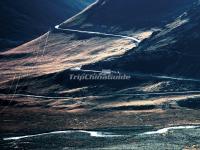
x,y
91,133
165,130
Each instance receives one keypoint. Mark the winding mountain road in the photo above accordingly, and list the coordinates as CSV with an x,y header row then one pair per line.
x,y
126,37
99,33
114,94
139,75
127,73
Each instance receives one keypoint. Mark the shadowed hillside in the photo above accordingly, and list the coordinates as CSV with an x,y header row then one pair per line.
x,y
23,20
120,15
172,50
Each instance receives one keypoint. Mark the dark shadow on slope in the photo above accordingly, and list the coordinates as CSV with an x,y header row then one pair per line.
x,y
193,103
127,108
24,20
120,15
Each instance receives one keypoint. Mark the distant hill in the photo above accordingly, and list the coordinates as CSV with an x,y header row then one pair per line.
x,y
23,20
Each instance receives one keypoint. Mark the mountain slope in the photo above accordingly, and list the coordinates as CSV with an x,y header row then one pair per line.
x,y
39,96
57,51
169,51
23,20
115,16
